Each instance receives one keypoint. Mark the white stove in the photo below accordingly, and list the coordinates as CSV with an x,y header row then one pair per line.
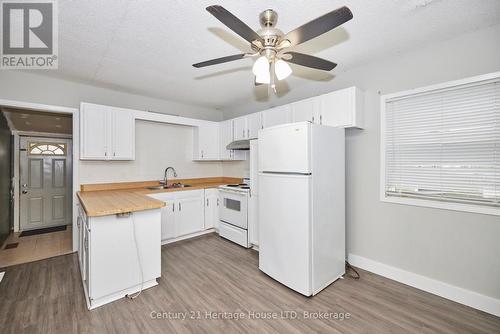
x,y
233,213
242,187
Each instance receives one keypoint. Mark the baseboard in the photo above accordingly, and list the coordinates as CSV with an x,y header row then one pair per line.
x,y
445,290
188,236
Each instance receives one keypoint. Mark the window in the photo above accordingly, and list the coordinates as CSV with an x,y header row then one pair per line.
x,y
47,148
441,146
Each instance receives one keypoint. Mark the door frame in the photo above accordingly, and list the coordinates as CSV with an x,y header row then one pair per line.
x,y
75,112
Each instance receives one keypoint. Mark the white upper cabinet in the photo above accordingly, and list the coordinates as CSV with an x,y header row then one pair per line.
x,y
305,110
106,133
240,128
206,141
342,108
247,127
122,135
276,116
254,124
225,137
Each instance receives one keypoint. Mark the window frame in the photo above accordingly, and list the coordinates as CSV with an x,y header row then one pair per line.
x,y
438,204
64,148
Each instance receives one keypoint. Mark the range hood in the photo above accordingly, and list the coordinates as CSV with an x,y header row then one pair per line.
x,y
239,145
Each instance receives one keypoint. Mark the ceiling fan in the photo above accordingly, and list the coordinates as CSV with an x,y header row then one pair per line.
x,y
272,45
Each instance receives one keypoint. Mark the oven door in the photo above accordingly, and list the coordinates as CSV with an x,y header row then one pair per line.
x,y
234,207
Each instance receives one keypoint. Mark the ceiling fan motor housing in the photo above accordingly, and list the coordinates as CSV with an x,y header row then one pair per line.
x,y
268,18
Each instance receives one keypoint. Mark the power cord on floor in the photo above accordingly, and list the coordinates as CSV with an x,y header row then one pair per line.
x,y
349,267
138,260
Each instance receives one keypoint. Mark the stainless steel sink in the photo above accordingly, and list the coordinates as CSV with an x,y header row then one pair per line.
x,y
170,186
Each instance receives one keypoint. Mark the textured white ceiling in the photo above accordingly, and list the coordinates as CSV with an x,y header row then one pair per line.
x,y
27,120
147,47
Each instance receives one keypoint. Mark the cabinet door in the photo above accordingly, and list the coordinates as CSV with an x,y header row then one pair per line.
x,y
225,137
211,208
240,128
305,110
189,212
253,220
254,124
276,116
93,132
168,220
342,108
167,214
122,135
207,141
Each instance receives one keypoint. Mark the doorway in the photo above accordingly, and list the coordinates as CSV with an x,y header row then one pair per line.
x,y
42,189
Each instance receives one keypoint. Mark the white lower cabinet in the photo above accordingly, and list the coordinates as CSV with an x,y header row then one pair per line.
x,y
211,208
253,220
120,254
183,213
190,216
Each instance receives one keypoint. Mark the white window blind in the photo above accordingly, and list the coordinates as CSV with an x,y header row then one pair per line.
x,y
445,144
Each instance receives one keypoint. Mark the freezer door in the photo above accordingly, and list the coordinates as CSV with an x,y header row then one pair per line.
x,y
284,230
285,148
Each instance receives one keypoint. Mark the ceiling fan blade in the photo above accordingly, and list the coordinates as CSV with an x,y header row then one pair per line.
x,y
220,60
234,23
310,61
318,26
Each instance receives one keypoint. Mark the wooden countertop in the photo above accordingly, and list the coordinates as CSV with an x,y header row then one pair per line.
x,y
112,198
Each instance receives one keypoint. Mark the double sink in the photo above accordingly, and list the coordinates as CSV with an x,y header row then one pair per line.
x,y
170,186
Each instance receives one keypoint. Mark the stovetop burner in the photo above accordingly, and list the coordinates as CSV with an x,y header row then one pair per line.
x,y
242,186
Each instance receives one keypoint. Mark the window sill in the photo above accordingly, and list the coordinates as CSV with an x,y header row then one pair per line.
x,y
486,210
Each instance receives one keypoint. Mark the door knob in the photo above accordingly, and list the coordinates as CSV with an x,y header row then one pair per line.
x,y
24,191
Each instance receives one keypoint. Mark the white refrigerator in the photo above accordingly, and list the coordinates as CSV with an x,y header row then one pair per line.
x,y
302,205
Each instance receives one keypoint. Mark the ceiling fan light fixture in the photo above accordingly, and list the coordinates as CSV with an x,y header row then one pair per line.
x,y
282,69
261,67
263,79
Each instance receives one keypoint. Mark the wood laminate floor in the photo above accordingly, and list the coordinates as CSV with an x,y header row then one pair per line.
x,y
207,276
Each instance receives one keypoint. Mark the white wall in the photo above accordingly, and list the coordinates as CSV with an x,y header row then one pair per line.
x,y
461,249
29,87
157,146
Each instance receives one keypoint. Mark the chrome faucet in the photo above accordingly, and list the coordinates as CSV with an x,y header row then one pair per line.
x,y
165,175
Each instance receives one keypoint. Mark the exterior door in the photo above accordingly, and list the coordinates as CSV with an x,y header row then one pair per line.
x,y
46,182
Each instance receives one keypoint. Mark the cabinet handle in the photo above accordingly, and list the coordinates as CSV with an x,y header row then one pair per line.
x,y
217,202
114,154
173,207
202,153
320,119
243,133
313,119
207,201
248,133
105,154
180,207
